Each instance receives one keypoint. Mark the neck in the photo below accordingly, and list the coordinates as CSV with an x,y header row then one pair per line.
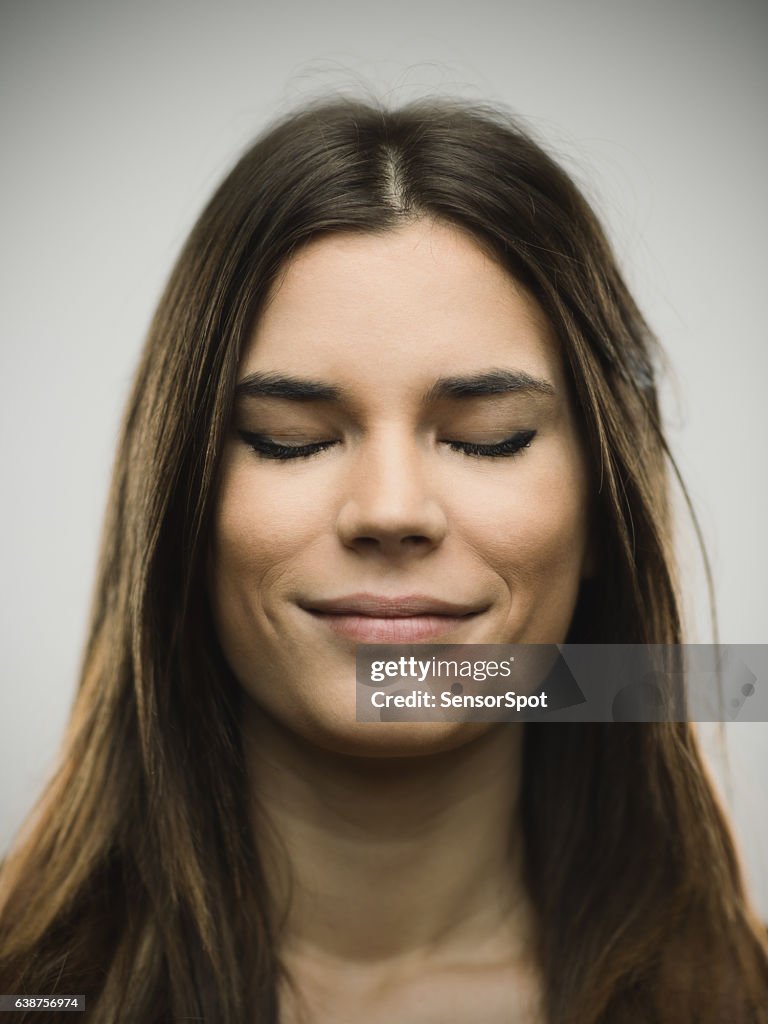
x,y
392,858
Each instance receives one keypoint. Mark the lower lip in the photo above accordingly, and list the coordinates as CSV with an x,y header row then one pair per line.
x,y
407,629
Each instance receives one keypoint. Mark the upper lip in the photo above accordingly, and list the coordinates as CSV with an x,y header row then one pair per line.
x,y
400,606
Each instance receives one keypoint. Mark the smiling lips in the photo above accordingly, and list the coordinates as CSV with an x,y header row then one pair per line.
x,y
373,618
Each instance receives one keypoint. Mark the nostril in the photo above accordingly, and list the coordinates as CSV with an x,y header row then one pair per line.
x,y
411,540
392,520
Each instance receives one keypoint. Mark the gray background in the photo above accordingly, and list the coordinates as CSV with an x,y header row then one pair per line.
x,y
119,118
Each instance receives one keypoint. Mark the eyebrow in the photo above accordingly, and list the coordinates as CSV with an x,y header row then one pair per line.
x,y
301,389
491,382
298,389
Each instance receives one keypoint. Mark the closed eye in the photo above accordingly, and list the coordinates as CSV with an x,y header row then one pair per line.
x,y
509,446
266,448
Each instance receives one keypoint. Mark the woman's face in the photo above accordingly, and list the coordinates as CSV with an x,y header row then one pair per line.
x,y
404,466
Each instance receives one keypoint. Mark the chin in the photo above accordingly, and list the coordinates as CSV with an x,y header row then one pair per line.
x,y
390,739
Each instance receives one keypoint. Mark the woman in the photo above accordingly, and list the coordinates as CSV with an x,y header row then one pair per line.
x,y
396,390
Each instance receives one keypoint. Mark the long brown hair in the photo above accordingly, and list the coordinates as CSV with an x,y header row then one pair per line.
x,y
138,880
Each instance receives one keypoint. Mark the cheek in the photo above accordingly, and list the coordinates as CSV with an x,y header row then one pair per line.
x,y
532,531
259,529
254,540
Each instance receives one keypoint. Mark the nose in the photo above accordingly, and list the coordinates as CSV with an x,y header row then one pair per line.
x,y
389,504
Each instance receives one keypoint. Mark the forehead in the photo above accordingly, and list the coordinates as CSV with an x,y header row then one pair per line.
x,y
406,304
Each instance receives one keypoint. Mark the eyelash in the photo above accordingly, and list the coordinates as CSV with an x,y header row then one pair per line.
x,y
513,445
272,450
267,449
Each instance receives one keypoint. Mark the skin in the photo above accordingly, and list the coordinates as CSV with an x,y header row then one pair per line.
x,y
406,898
